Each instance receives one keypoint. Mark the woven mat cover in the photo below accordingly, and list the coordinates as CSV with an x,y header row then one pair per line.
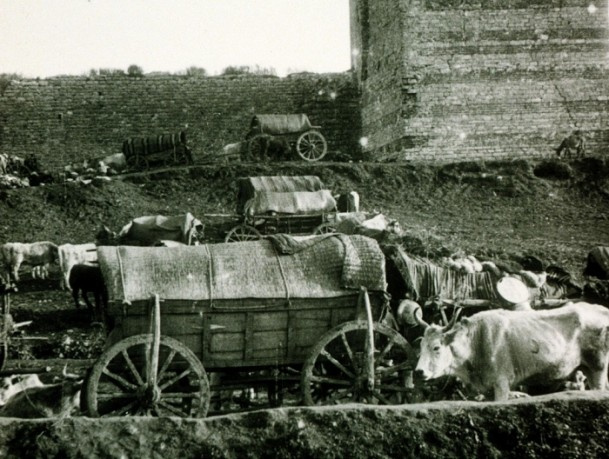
x,y
293,203
252,269
281,124
248,187
427,280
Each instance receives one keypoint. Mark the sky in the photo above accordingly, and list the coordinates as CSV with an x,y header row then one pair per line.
x,y
43,38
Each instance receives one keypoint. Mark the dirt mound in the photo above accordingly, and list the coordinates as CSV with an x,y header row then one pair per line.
x,y
570,425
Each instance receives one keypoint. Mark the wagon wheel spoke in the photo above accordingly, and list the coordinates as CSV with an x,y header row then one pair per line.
x,y
334,381
131,367
343,337
172,409
174,379
119,379
178,395
387,348
393,369
166,364
121,411
124,395
380,397
337,364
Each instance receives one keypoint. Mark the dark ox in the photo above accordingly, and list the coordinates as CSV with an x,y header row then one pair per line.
x,y
85,279
498,349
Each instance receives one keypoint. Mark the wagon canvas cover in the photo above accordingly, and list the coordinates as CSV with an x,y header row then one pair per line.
x,y
295,202
250,186
331,267
280,124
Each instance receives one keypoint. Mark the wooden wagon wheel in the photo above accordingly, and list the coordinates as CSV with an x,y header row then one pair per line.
x,y
118,383
257,147
243,232
137,161
324,228
335,371
311,146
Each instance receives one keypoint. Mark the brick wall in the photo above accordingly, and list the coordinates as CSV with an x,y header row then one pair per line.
x,y
66,119
482,79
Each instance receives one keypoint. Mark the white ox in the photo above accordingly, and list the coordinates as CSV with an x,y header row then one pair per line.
x,y
116,163
14,254
75,254
12,385
498,349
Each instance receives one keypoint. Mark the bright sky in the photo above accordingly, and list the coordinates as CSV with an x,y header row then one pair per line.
x,y
41,38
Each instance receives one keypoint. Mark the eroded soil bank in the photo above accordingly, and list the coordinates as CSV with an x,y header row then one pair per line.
x,y
571,424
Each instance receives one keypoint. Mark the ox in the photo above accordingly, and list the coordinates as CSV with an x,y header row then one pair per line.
x,y
112,164
499,349
12,385
14,254
61,399
74,254
86,279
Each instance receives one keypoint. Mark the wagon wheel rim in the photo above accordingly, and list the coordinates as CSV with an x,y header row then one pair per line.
x,y
333,373
324,228
243,233
311,146
255,147
116,384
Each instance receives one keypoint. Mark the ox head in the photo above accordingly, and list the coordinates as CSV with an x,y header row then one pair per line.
x,y
436,358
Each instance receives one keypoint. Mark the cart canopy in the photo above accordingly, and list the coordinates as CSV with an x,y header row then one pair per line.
x,y
280,124
328,266
250,186
293,203
153,144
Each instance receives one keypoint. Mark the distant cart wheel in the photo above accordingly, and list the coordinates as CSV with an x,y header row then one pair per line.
x,y
311,146
243,233
324,228
257,147
335,370
116,384
137,162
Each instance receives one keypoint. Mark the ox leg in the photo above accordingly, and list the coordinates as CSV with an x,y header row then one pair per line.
x,y
75,296
85,297
501,390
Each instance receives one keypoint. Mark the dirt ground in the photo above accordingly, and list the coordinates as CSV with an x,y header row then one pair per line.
x,y
557,211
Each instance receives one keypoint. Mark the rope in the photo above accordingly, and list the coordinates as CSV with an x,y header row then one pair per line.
x,y
285,282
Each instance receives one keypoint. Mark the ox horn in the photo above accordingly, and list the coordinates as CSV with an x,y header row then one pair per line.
x,y
453,319
418,317
66,375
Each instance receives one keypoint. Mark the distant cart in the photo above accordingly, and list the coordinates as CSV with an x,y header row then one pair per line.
x,y
282,204
163,149
304,138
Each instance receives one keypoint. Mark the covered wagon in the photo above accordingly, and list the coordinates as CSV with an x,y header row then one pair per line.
x,y
181,314
281,204
303,137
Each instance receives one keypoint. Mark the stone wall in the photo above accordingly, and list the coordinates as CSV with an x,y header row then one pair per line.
x,y
482,79
67,119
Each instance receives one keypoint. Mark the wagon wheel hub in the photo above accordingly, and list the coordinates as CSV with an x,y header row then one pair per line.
x,y
149,396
